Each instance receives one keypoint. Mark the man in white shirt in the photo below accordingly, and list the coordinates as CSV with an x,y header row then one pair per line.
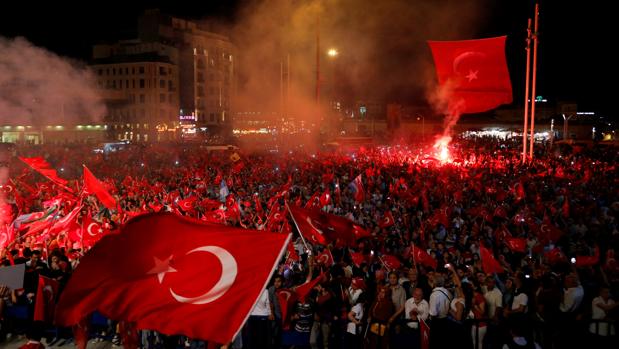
x,y
258,323
438,310
439,299
572,295
416,308
600,306
494,298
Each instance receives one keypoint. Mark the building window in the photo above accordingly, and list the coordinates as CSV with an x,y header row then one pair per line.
x,y
141,70
162,98
162,71
133,83
169,85
146,126
107,71
169,70
100,71
126,71
170,98
142,99
137,126
113,71
132,70
126,83
142,83
114,84
161,83
212,117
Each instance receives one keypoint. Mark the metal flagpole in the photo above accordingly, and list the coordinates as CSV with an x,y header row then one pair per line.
x,y
535,42
525,130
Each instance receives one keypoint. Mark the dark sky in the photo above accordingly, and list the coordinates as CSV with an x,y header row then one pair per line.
x,y
575,39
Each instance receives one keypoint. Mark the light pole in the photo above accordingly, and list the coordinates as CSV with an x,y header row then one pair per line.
x,y
423,127
332,53
565,123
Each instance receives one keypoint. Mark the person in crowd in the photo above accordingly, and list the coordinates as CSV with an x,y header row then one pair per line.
x,y
380,312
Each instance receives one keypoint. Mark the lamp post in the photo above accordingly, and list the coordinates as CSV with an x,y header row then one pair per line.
x,y
423,126
565,123
332,53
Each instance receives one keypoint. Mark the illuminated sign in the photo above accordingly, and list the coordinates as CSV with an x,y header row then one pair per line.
x,y
187,118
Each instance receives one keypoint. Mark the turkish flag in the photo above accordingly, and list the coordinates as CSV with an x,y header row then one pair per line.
x,y
588,261
391,262
358,258
516,244
187,205
321,227
286,299
94,186
550,231
473,73
44,168
422,257
45,302
304,289
357,188
185,277
325,198
488,262
425,334
92,231
325,258
387,220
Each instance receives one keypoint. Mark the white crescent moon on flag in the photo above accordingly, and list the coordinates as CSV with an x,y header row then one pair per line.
x,y
89,229
466,56
228,276
50,291
323,259
286,294
309,221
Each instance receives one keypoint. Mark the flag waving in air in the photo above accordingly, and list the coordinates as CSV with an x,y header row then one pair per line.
x,y
94,186
185,277
474,72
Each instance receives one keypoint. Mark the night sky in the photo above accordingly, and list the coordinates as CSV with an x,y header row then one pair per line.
x,y
575,39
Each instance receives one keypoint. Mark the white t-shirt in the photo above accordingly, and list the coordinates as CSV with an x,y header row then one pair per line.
x,y
494,299
598,313
358,310
439,302
572,297
423,311
262,307
520,299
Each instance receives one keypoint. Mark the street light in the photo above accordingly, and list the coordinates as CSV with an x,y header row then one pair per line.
x,y
423,127
332,52
565,123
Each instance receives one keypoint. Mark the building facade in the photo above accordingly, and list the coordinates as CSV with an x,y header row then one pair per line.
x,y
206,63
140,84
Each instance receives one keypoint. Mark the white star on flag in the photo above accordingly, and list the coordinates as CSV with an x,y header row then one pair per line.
x,y
161,268
472,75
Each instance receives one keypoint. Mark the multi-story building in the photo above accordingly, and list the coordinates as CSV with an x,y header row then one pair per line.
x,y
206,67
140,84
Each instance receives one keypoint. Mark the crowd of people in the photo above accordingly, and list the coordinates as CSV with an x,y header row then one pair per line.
x,y
475,250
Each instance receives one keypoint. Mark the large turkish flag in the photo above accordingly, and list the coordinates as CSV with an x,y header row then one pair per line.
x,y
473,72
174,275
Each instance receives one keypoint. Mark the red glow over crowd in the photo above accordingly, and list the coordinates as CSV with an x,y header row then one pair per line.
x,y
456,245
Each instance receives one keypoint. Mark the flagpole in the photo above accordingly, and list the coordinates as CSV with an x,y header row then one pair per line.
x,y
525,130
296,225
535,42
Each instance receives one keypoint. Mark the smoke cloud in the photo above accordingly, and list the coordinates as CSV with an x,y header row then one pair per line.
x,y
383,55
39,88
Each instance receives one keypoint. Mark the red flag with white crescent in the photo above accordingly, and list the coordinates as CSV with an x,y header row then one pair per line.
x,y
185,276
387,220
473,73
